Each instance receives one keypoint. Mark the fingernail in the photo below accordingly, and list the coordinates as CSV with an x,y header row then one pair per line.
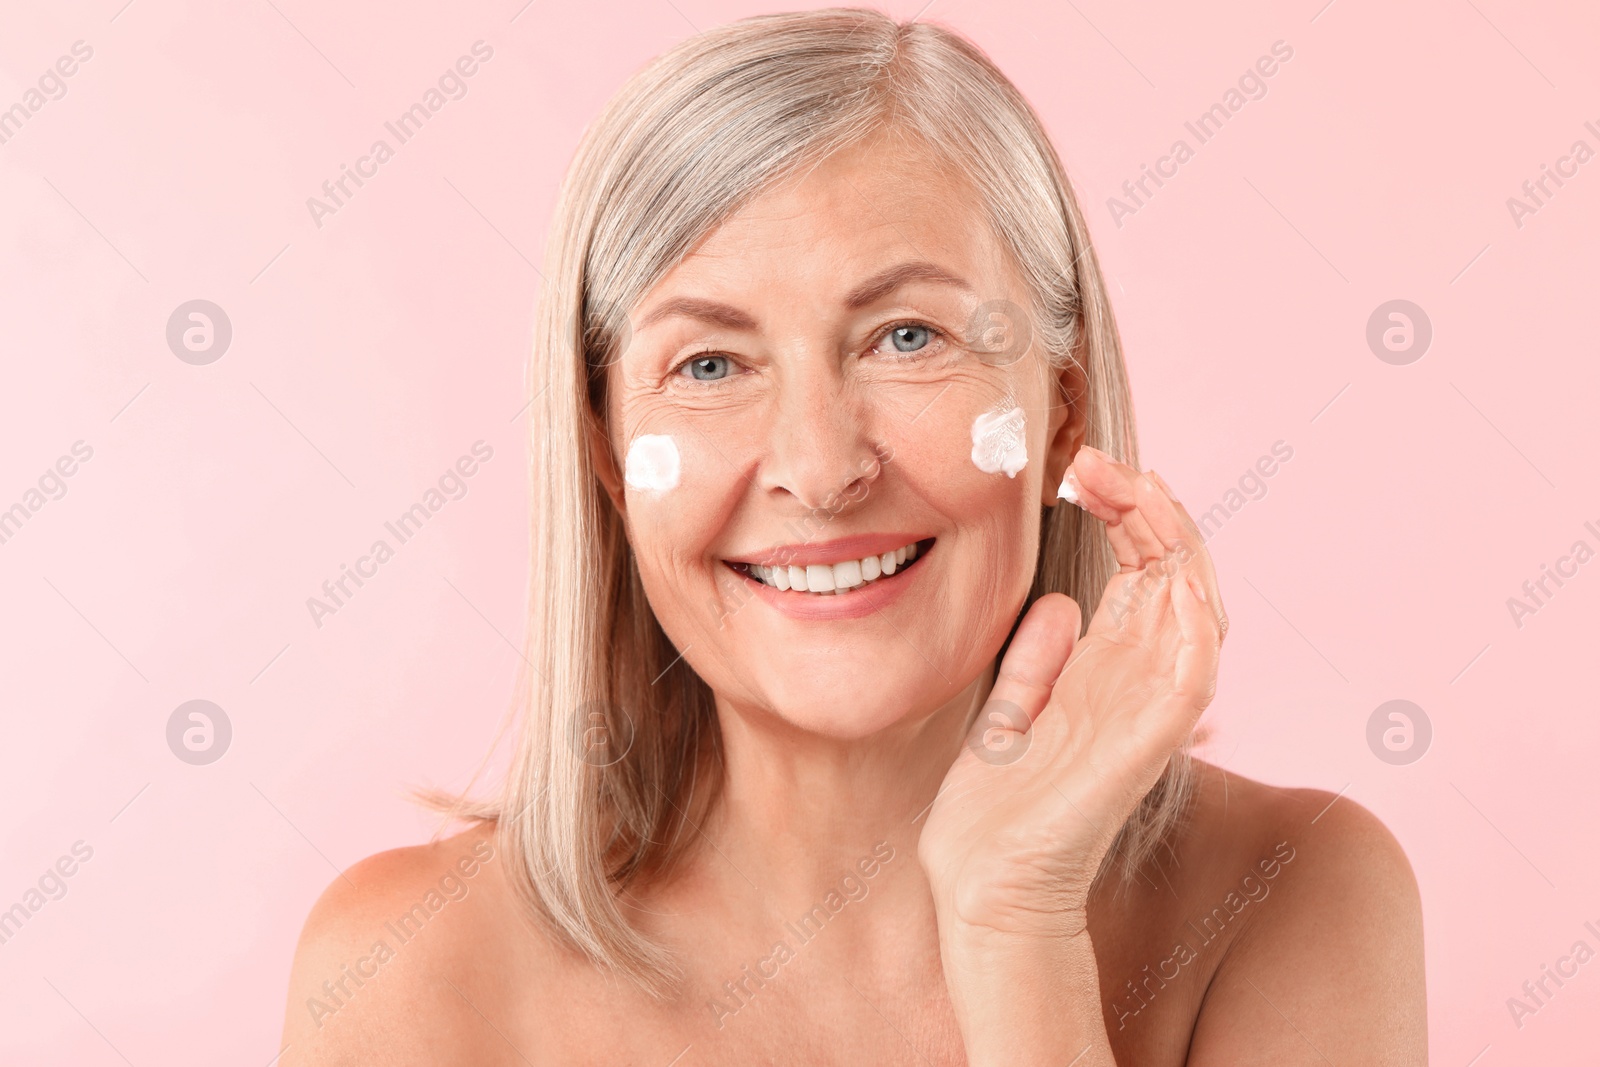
x,y
1198,587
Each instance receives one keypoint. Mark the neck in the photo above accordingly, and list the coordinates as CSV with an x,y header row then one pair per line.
x,y
799,812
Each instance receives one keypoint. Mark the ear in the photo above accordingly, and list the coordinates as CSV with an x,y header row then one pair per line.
x,y
1068,425
603,460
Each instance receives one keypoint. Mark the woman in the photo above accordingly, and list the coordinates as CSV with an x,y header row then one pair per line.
x,y
829,396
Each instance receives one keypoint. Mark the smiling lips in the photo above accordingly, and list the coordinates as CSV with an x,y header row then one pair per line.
x,y
820,570
838,577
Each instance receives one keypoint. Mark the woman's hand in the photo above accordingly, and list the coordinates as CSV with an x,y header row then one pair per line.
x,y
1073,736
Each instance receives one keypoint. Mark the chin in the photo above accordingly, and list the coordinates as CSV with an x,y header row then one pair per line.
x,y
844,705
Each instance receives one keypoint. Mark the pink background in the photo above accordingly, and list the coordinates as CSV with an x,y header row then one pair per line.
x,y
369,353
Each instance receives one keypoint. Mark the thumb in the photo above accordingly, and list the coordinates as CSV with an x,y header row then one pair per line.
x,y
1039,649
1027,675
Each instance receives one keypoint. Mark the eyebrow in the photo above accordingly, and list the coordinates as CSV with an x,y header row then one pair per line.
x,y
874,288
887,281
724,315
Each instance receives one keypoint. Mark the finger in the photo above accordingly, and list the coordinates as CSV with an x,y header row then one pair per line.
x,y
1138,496
1135,603
1194,668
1196,541
1073,489
1118,484
1160,510
1104,498
1172,524
1139,602
1195,673
1153,546
1183,513
1039,649
1153,533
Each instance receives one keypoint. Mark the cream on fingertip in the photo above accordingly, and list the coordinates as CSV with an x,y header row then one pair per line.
x,y
1068,489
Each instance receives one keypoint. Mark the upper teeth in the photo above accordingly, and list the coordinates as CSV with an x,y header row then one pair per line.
x,y
834,577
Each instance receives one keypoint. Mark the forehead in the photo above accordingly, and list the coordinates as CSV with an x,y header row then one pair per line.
x,y
857,211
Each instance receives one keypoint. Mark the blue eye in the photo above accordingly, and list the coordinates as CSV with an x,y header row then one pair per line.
x,y
910,337
709,368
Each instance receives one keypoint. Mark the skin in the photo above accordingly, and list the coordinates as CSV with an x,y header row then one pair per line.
x,y
963,925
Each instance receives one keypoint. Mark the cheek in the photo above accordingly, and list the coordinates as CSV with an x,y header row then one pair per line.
x,y
973,457
678,487
681,492
973,449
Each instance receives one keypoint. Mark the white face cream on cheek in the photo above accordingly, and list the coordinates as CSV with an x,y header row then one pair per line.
x,y
999,441
652,464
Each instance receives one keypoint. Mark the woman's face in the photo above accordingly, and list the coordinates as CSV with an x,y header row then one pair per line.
x,y
841,371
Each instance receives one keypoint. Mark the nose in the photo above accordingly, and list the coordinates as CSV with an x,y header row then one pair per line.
x,y
821,452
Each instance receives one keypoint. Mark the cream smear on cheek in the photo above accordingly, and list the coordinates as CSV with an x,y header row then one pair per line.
x,y
999,441
652,464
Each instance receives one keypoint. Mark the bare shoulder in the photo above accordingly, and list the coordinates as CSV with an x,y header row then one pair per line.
x,y
1329,963
384,972
1330,834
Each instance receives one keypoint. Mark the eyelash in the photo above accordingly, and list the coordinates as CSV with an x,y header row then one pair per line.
x,y
899,357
